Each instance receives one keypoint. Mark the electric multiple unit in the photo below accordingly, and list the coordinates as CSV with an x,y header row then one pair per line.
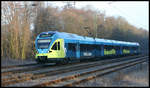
x,y
54,46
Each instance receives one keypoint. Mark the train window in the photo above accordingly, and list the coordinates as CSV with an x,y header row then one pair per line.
x,y
58,45
47,35
43,43
71,47
54,46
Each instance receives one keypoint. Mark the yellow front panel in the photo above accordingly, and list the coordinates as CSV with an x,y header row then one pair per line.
x,y
55,53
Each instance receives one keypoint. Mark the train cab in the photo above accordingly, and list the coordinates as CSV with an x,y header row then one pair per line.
x,y
49,47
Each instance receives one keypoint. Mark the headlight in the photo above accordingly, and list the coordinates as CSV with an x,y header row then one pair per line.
x,y
49,51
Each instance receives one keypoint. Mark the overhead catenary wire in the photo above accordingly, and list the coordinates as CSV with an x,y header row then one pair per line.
x,y
122,11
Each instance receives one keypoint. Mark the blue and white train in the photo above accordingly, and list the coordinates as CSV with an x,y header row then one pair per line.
x,y
60,47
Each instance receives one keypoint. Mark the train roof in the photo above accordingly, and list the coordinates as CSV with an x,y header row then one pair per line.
x,y
73,38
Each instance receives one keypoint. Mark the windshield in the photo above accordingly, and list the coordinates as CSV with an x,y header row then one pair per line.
x,y
43,43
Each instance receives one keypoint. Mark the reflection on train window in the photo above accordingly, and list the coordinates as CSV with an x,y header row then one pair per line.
x,y
54,46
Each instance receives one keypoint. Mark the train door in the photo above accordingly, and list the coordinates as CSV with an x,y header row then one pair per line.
x,y
54,50
61,49
71,52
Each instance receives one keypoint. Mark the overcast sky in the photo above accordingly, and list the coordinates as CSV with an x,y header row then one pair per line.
x,y
135,12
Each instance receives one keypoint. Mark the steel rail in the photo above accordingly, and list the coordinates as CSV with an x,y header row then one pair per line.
x,y
85,73
59,71
45,66
64,71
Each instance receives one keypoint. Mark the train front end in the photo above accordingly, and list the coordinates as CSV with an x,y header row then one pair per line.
x,y
49,48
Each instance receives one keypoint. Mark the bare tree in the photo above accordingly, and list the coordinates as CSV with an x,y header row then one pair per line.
x,y
17,18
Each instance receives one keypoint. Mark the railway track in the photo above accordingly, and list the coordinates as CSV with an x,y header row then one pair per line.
x,y
14,66
31,67
38,70
86,75
33,77
34,64
98,74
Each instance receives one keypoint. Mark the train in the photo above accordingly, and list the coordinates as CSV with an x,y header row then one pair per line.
x,y
62,47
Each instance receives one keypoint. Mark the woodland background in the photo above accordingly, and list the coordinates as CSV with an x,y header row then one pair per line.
x,y
18,36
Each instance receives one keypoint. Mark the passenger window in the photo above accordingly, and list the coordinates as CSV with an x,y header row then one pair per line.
x,y
72,47
54,46
58,45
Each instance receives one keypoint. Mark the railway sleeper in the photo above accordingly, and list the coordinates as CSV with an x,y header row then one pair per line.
x,y
91,76
41,76
72,77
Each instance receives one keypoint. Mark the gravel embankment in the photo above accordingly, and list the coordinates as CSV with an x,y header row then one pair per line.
x,y
136,76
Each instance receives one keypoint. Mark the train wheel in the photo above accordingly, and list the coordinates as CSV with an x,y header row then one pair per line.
x,y
58,63
65,61
38,62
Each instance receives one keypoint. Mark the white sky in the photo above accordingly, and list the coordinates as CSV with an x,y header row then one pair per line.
x,y
135,12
